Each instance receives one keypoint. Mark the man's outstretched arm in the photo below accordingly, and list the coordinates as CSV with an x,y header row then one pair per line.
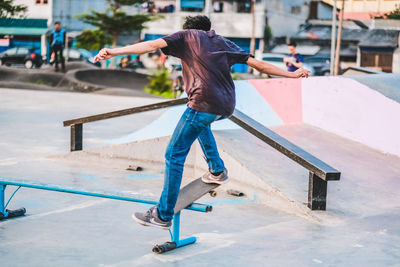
x,y
139,48
267,68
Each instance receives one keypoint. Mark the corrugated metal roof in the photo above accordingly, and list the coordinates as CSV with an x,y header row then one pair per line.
x,y
323,32
302,49
24,23
349,50
22,31
386,24
380,38
348,24
23,26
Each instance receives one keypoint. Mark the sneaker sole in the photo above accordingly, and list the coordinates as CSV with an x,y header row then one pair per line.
x,y
148,224
214,182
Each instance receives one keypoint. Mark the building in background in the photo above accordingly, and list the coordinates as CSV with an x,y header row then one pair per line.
x,y
320,10
231,19
66,11
285,16
30,31
366,42
42,14
379,50
365,9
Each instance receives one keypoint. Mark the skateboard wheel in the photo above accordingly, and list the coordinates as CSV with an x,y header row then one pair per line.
x,y
213,193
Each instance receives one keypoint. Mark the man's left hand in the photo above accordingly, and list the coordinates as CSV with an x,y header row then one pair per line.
x,y
104,54
301,73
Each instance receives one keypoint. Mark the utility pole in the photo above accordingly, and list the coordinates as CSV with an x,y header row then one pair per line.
x,y
210,7
333,38
339,39
253,27
253,30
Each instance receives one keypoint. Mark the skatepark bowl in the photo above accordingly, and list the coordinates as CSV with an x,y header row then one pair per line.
x,y
286,139
80,77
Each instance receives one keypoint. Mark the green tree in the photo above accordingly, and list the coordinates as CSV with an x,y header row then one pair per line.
x,y
267,34
115,21
395,14
8,9
93,40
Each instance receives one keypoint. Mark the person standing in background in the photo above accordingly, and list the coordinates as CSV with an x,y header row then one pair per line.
x,y
294,61
57,44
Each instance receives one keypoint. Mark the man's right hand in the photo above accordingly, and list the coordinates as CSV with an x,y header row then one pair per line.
x,y
104,54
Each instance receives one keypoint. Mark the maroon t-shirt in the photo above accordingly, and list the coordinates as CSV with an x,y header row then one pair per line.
x,y
207,59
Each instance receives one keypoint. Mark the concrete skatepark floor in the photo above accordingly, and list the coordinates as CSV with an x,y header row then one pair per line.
x,y
64,230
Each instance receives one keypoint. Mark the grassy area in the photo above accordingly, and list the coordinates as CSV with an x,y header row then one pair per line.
x,y
166,94
41,82
160,84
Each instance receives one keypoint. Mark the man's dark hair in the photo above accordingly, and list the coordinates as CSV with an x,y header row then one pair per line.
x,y
292,43
57,22
197,23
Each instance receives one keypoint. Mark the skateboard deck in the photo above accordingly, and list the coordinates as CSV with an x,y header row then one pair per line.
x,y
191,192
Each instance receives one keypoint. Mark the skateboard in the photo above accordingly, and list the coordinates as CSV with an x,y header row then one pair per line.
x,y
193,191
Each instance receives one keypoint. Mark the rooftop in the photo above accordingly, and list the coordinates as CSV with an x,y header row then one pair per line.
x,y
380,38
323,32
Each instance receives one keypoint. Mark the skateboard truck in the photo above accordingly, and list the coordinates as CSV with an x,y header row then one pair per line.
x,y
175,241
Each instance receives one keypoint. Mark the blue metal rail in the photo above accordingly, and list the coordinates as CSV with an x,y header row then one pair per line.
x,y
79,191
175,241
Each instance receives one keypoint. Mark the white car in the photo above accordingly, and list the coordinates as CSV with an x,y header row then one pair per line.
x,y
277,60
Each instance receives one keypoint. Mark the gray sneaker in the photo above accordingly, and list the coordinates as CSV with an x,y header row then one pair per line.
x,y
150,218
209,178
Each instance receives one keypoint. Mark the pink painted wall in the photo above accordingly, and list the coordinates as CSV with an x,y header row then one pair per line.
x,y
283,95
350,109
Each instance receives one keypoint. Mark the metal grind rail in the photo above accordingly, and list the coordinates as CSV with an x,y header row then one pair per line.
x,y
319,172
175,242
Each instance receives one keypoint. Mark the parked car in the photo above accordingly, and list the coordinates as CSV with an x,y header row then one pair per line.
x,y
277,60
80,55
320,63
29,57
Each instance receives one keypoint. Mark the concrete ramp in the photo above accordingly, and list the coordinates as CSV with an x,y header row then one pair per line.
x,y
343,106
270,178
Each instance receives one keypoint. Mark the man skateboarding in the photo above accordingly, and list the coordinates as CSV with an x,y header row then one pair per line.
x,y
207,59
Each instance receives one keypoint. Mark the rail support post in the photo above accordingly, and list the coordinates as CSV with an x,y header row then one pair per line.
x,y
175,242
317,190
76,137
2,200
6,213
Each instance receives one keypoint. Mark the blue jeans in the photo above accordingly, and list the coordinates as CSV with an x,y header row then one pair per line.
x,y
192,125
